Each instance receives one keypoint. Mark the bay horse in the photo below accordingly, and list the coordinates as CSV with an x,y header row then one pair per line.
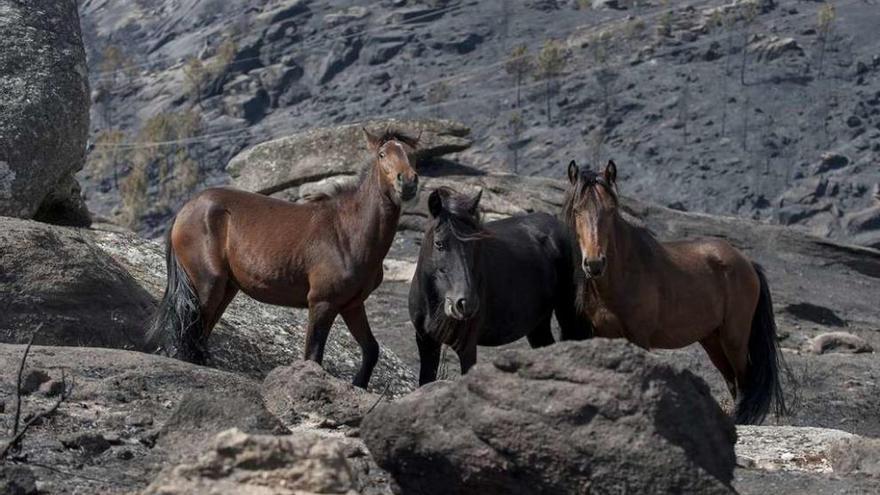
x,y
325,255
671,294
489,284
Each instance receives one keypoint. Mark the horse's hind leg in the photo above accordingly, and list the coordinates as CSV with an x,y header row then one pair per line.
x,y
734,338
228,294
321,316
214,293
356,320
712,346
541,336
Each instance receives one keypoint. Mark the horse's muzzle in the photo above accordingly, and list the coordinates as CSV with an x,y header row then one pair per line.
x,y
461,308
408,189
595,268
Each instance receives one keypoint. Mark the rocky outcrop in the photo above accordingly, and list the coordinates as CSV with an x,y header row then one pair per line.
x,y
119,402
262,465
44,111
571,418
332,151
304,394
59,280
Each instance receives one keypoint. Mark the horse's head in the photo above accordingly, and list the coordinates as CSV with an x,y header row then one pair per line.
x,y
591,210
392,161
451,251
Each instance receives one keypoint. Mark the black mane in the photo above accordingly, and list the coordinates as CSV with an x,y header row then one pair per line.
x,y
457,217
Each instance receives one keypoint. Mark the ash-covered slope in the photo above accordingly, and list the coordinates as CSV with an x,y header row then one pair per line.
x,y
788,133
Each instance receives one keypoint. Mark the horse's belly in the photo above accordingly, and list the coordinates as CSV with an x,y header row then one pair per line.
x,y
280,294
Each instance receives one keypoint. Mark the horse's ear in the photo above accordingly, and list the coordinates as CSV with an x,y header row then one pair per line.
x,y
435,203
611,172
373,141
474,208
573,172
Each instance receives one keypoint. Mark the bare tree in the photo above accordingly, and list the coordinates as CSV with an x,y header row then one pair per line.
x,y
551,63
605,75
116,70
438,93
519,64
684,102
596,144
824,24
728,22
516,125
196,76
109,154
750,13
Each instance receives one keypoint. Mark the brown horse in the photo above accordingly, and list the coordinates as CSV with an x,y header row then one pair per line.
x,y
325,255
671,294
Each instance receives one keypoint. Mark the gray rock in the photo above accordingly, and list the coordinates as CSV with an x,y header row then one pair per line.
x,y
326,152
840,342
44,111
788,448
58,277
832,161
304,393
342,54
856,455
199,416
262,465
17,480
32,380
52,388
570,418
90,443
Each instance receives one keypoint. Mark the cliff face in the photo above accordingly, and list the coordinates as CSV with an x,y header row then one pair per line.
x,y
707,106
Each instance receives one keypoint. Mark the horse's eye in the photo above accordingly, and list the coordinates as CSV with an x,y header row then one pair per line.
x,y
440,245
381,154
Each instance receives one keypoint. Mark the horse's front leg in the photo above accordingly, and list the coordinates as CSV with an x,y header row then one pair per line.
x,y
468,357
356,319
429,356
321,316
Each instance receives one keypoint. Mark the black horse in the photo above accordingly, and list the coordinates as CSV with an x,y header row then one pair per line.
x,y
490,284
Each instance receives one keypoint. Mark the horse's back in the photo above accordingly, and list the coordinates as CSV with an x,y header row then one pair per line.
x,y
715,253
523,266
532,234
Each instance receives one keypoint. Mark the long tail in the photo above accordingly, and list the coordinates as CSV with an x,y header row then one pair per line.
x,y
177,324
763,388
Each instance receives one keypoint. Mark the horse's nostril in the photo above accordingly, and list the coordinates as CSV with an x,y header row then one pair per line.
x,y
399,177
594,267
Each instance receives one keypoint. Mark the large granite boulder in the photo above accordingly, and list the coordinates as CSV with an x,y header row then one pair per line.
x,y
60,279
44,111
325,152
590,417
